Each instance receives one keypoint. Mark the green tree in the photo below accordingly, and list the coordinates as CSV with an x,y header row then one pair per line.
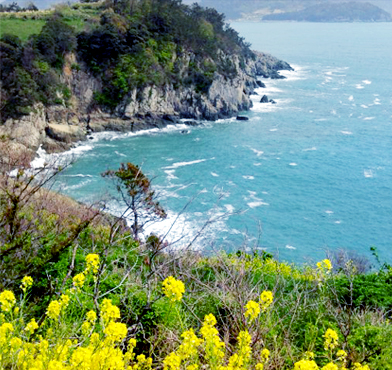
x,y
136,192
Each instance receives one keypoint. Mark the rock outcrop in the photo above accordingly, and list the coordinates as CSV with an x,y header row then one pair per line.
x,y
57,127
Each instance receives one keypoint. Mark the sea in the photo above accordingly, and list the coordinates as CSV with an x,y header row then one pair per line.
x,y
302,178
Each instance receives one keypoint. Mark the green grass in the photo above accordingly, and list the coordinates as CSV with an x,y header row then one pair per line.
x,y
23,28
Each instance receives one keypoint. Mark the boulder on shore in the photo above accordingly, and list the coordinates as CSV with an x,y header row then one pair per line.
x,y
242,118
264,99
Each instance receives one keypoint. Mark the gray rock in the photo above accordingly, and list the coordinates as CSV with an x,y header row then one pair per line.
x,y
264,99
242,118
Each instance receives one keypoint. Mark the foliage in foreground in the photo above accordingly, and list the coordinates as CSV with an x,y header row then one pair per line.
x,y
100,342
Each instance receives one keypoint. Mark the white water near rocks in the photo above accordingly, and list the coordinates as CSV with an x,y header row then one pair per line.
x,y
310,173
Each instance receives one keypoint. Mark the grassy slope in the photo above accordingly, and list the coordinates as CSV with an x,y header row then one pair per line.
x,y
25,24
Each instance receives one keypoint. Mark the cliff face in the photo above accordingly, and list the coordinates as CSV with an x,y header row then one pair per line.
x,y
57,127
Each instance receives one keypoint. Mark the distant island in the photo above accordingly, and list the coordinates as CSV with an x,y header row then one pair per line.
x,y
335,12
304,10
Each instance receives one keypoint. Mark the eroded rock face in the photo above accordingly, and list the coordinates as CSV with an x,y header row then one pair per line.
x,y
57,127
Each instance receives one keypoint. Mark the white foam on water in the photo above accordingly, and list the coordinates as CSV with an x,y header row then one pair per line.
x,y
257,204
376,101
346,132
182,164
359,86
76,186
338,222
170,174
248,177
229,208
364,106
264,192
252,193
257,164
78,175
258,152
333,111
369,118
273,129
351,98
120,154
288,246
196,139
321,119
309,149
293,164
368,173
366,82
214,174
329,212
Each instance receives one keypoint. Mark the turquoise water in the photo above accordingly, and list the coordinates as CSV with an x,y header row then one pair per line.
x,y
309,174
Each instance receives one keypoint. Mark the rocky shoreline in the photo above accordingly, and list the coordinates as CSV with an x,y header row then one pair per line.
x,y
58,127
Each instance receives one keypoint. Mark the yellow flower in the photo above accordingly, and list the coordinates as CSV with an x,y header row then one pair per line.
x,y
252,310
92,261
64,301
116,331
331,339
91,317
172,362
173,289
109,311
308,355
53,310
266,299
265,353
31,326
325,265
143,363
259,366
27,282
188,347
330,366
7,300
78,280
305,365
341,355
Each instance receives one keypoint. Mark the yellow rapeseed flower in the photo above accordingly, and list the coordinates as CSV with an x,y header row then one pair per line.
x,y
330,366
109,311
341,355
27,282
331,339
325,265
116,331
173,289
305,365
54,309
92,261
266,299
7,300
78,280
252,310
91,316
172,362
31,326
265,353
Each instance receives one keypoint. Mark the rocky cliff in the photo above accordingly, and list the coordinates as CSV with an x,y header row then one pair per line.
x,y
57,127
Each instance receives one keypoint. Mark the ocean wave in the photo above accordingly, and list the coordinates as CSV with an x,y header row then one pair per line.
x,y
182,164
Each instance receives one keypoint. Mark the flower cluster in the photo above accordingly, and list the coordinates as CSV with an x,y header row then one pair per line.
x,y
253,308
331,339
173,289
56,307
92,266
7,300
325,265
27,283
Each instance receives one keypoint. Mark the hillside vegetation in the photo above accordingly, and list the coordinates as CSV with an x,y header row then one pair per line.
x,y
79,290
126,45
